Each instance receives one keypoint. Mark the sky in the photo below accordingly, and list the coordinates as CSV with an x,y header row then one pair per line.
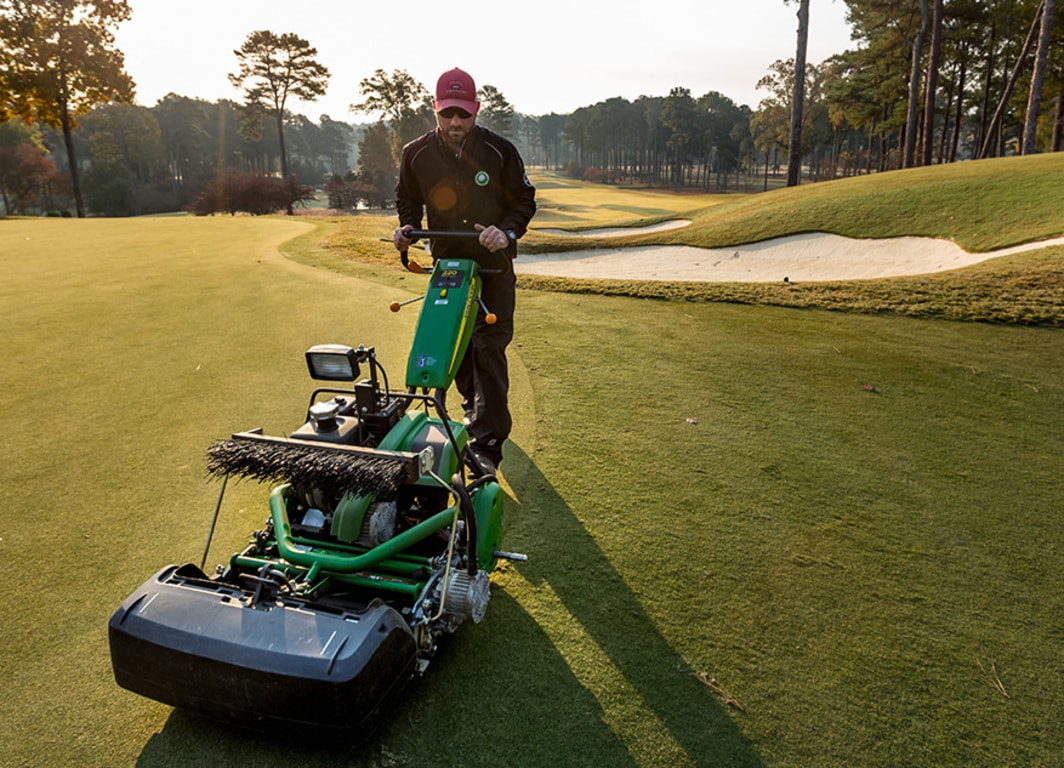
x,y
543,56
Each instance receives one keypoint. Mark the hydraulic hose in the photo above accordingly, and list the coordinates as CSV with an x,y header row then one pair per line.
x,y
466,505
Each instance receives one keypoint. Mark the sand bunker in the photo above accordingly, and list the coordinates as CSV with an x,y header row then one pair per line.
x,y
798,258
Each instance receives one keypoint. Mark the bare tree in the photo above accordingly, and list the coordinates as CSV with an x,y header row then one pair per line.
x,y
995,121
932,81
794,158
1034,99
909,156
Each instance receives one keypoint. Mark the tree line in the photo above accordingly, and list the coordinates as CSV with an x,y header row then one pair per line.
x,y
136,160
937,81
928,81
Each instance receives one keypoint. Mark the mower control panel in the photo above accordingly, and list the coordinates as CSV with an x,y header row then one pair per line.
x,y
448,314
448,278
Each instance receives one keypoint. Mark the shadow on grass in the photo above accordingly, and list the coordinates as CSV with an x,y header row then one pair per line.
x,y
644,691
566,669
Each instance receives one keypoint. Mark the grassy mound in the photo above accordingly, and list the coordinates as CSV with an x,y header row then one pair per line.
x,y
981,206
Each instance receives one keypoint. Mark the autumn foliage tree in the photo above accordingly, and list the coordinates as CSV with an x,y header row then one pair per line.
x,y
58,61
236,192
28,178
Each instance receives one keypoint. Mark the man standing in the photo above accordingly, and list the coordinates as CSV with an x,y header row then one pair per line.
x,y
467,178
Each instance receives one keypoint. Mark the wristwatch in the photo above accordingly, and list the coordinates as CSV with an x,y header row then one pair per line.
x,y
512,235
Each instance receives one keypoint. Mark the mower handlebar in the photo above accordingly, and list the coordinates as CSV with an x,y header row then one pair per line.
x,y
417,234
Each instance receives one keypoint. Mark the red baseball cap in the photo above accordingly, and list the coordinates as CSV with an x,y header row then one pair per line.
x,y
457,89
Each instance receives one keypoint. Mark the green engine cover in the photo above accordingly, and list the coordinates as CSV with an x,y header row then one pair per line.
x,y
445,324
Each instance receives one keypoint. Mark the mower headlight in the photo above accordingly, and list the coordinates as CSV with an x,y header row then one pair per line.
x,y
332,362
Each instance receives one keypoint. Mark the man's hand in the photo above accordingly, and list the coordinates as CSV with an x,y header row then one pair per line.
x,y
492,238
400,240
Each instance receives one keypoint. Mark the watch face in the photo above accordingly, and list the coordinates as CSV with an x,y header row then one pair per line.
x,y
510,234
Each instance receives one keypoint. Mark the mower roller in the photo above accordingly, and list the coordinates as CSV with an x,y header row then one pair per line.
x,y
383,528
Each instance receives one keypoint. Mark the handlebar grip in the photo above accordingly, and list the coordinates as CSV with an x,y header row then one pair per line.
x,y
411,266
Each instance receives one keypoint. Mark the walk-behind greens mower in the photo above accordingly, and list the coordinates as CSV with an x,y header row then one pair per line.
x,y
382,531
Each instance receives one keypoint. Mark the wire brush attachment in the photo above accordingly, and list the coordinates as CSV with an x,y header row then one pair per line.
x,y
334,469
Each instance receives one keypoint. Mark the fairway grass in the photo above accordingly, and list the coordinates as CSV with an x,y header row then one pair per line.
x,y
759,536
128,347
838,519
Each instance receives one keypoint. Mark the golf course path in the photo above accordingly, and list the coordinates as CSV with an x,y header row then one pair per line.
x,y
797,258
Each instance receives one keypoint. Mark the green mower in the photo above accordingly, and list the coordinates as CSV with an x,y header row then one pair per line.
x,y
383,529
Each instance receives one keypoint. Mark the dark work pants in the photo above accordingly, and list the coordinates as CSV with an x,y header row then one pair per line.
x,y
483,378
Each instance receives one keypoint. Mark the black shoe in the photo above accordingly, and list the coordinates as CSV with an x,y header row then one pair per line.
x,y
487,464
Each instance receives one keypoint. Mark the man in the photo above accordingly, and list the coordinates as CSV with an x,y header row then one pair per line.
x,y
467,178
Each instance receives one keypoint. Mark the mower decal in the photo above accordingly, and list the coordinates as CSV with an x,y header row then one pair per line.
x,y
447,278
482,178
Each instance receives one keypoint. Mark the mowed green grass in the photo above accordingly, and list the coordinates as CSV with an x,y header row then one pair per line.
x,y
758,535
128,347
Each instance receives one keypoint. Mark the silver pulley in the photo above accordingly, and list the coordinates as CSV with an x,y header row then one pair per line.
x,y
467,596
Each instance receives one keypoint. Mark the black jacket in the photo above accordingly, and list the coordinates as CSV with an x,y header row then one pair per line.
x,y
486,185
